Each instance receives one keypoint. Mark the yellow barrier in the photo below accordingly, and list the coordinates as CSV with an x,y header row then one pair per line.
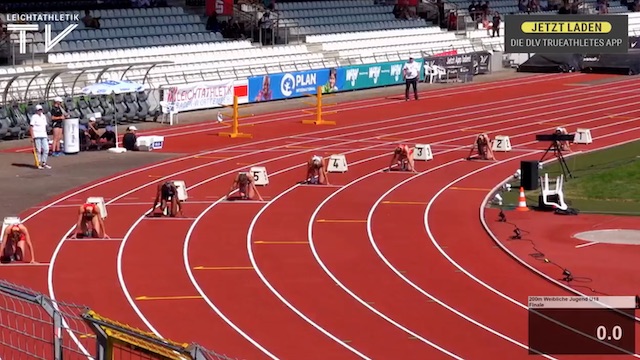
x,y
121,336
317,111
235,127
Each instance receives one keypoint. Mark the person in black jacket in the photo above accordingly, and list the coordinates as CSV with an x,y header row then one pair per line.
x,y
129,139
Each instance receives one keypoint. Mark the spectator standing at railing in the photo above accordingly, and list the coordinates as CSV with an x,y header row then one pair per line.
x,y
495,24
411,73
58,114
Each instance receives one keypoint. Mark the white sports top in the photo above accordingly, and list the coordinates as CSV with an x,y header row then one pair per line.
x,y
316,158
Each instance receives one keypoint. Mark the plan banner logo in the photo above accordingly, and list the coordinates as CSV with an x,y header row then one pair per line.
x,y
567,34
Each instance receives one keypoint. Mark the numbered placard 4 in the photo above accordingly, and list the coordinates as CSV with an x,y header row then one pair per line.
x,y
99,201
181,186
259,174
501,143
583,136
422,152
337,163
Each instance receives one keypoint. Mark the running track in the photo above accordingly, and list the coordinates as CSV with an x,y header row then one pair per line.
x,y
378,265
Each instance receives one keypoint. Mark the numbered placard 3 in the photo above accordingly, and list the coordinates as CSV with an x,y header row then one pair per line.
x,y
422,152
259,174
337,163
501,143
583,136
99,201
182,190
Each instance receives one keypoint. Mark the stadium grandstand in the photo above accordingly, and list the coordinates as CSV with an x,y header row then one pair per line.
x,y
166,43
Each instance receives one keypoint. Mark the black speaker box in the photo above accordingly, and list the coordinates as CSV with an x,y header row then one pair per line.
x,y
529,174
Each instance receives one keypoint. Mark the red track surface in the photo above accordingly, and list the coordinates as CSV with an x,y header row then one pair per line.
x,y
408,272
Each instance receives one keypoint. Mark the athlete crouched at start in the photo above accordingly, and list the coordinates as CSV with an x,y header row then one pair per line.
x,y
167,197
14,239
317,171
246,188
403,158
564,145
482,145
90,223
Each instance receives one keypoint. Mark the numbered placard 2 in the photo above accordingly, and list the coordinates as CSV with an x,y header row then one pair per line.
x,y
99,201
181,187
259,174
501,143
337,163
583,136
8,221
422,152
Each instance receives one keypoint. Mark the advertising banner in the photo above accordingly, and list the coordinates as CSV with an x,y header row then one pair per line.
x,y
476,63
633,42
197,96
358,77
290,85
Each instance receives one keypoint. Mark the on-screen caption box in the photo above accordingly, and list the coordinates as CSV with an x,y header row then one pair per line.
x,y
567,34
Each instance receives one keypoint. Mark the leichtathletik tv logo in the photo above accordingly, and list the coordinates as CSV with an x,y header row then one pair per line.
x,y
23,23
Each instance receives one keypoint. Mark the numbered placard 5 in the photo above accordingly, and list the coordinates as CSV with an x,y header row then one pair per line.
x,y
501,143
422,152
337,163
259,174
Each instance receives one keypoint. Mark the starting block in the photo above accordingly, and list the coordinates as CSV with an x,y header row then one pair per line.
x,y
422,152
99,201
337,163
8,221
182,190
583,136
149,143
260,176
501,143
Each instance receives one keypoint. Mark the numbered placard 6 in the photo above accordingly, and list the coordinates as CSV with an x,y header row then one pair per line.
x,y
501,143
99,201
337,163
583,136
259,174
181,187
422,152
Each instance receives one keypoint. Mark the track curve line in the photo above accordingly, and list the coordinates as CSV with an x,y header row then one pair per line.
x,y
123,243
109,180
483,221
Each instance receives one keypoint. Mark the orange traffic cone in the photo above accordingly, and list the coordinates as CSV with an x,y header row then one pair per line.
x,y
522,201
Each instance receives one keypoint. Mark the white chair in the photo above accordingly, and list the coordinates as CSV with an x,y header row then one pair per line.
x,y
547,192
434,72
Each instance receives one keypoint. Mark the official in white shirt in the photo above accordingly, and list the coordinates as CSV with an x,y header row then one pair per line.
x,y
411,73
38,132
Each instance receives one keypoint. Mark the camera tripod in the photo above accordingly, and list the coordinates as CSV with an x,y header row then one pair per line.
x,y
557,151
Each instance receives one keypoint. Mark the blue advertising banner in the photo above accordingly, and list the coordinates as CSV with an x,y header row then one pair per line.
x,y
287,85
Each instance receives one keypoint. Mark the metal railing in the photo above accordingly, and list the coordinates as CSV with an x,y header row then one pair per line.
x,y
33,326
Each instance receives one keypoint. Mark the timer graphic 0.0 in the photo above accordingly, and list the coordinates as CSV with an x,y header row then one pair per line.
x,y
582,326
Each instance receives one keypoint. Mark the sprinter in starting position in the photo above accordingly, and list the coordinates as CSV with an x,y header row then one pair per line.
x,y
482,147
247,190
317,171
14,239
90,223
403,158
167,197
